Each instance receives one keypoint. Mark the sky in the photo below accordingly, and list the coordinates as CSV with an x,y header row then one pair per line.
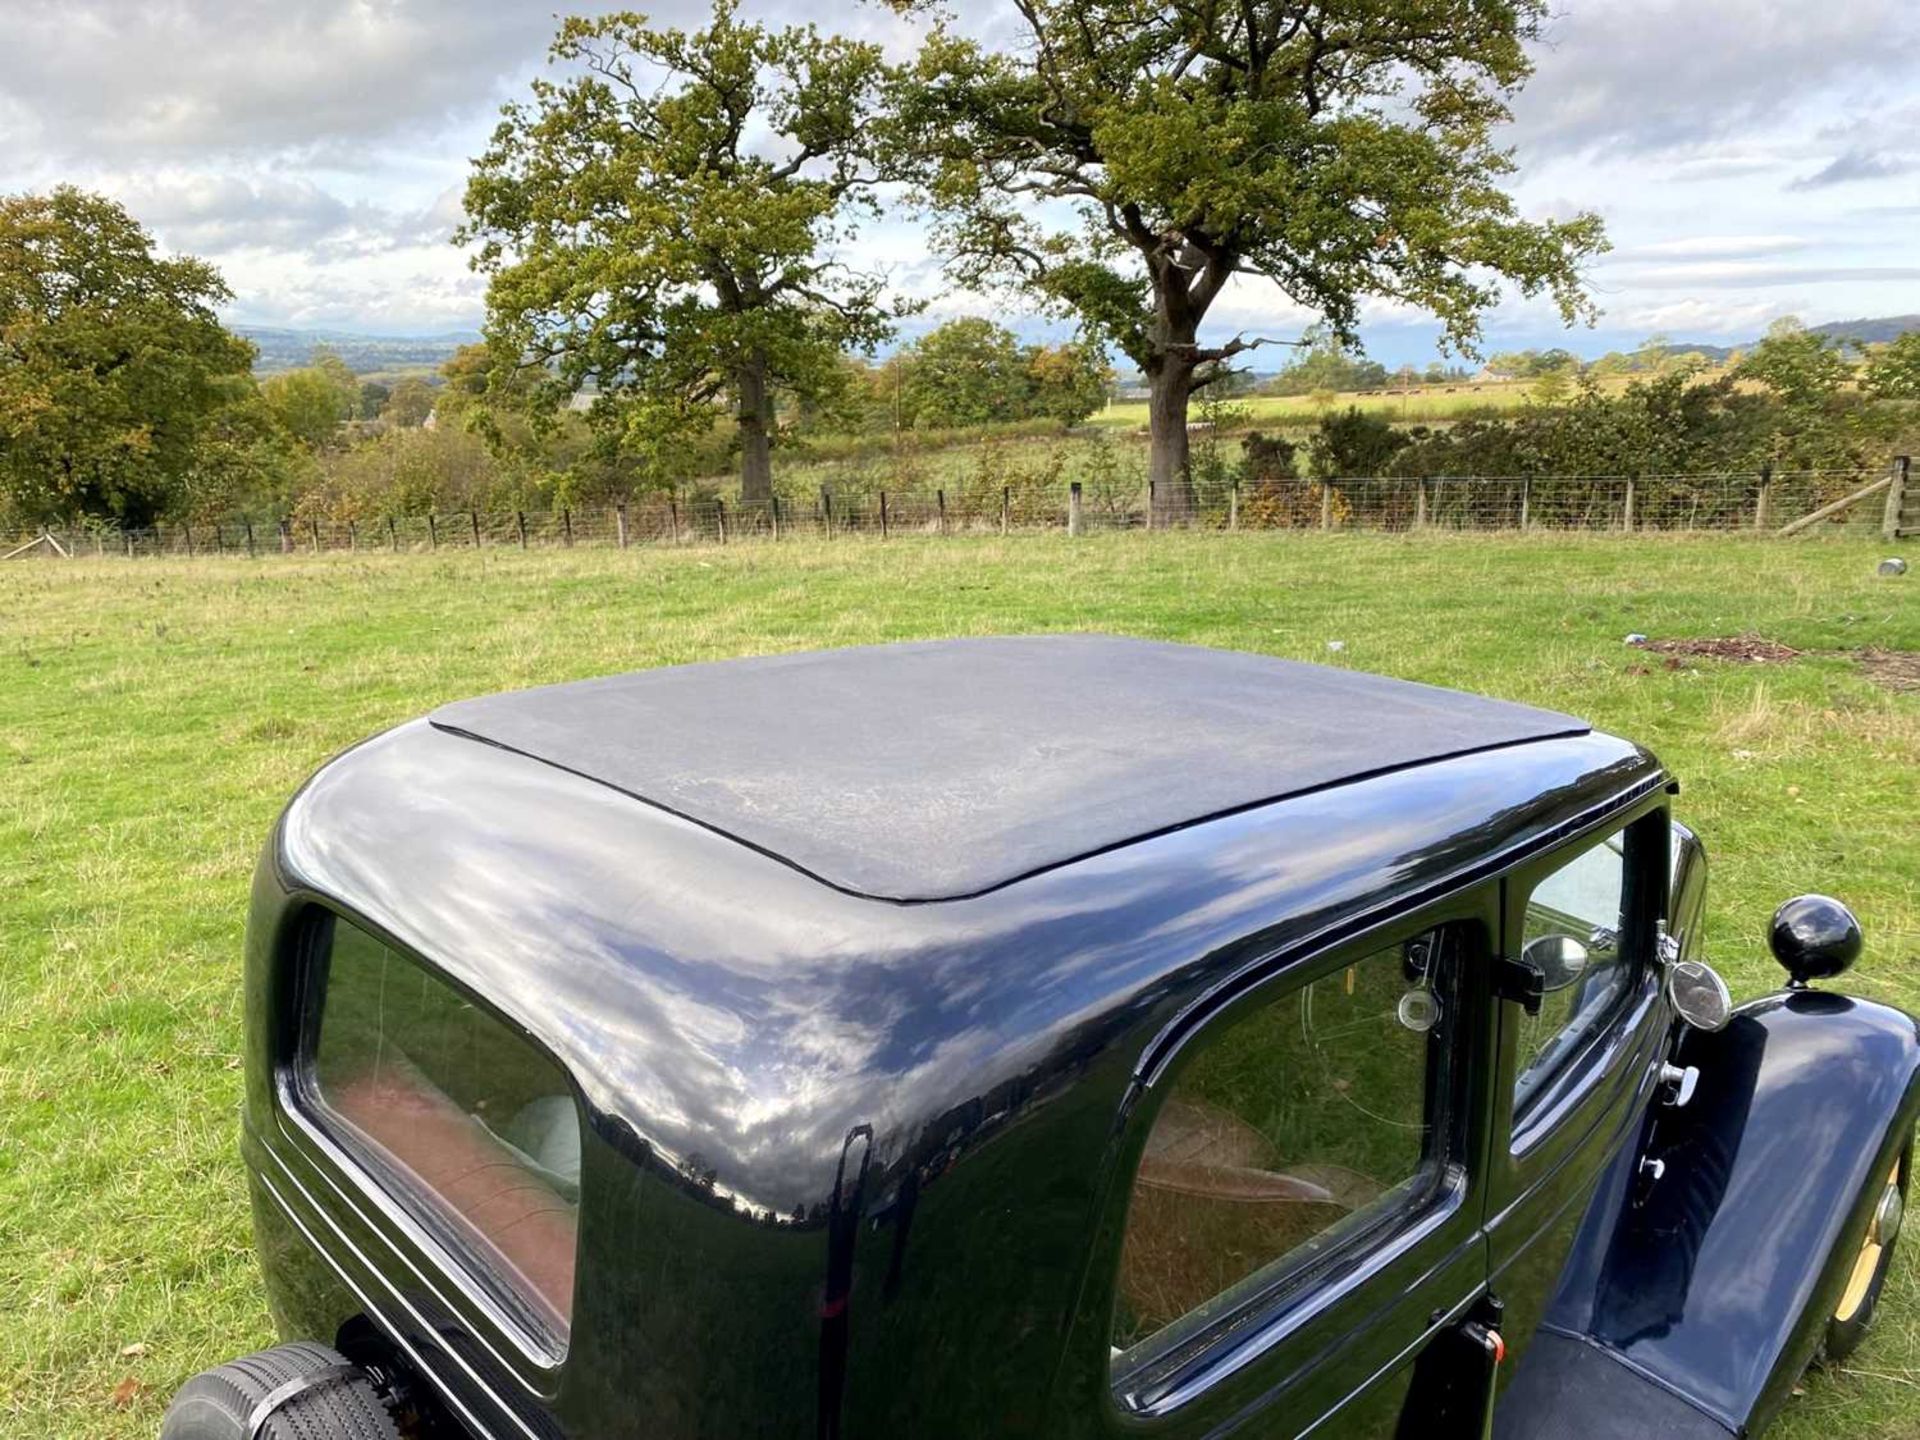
x,y
1752,158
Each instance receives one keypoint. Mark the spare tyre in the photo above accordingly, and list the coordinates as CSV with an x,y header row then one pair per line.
x,y
301,1391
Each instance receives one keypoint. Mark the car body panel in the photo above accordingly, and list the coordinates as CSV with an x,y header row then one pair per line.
x,y
857,1167
709,1000
1716,1281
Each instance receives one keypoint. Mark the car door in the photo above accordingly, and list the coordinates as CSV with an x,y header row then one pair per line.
x,y
1305,1216
1575,1072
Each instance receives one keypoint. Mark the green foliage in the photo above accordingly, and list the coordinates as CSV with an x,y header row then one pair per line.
x,y
967,372
1802,368
652,226
1536,364
972,372
313,404
1327,362
114,370
1334,150
411,403
1893,370
1679,422
1353,442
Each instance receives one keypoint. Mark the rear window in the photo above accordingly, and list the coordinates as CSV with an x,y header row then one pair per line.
x,y
470,1126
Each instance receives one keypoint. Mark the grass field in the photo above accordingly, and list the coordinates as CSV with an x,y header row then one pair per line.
x,y
1422,405
155,715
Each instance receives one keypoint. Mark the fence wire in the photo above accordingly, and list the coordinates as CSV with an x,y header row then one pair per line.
x,y
1724,503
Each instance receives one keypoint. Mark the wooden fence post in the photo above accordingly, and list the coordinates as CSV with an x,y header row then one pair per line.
x,y
1233,506
826,512
566,524
1896,498
940,499
620,523
720,518
775,505
286,536
393,535
520,523
883,514
187,525
1326,505
1073,508
673,516
1006,508
1420,503
474,517
1763,498
1626,519
248,522
433,532
1150,498
1526,503
219,540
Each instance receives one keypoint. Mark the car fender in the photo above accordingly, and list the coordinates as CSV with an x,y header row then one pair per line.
x,y
1716,1250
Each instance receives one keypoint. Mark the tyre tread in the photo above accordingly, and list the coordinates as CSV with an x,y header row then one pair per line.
x,y
216,1404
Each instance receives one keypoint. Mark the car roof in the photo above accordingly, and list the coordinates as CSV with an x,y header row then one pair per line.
x,y
936,771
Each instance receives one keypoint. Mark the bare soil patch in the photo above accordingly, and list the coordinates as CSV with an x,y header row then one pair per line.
x,y
1752,648
1897,670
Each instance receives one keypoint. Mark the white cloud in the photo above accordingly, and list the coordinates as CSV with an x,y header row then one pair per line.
x,y
316,150
1718,247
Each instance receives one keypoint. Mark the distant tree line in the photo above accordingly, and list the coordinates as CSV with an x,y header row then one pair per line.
x,y
664,225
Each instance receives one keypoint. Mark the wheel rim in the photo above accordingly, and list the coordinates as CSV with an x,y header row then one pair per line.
x,y
1882,1230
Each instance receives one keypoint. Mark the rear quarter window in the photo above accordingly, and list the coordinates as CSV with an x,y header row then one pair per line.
x,y
453,1112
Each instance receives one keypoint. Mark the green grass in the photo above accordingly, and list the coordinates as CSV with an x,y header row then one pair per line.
x,y
155,715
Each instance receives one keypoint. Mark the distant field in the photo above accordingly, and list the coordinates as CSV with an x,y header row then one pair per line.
x,y
1424,404
155,715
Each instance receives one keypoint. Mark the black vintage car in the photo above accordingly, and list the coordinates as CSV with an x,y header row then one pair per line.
x,y
1059,1037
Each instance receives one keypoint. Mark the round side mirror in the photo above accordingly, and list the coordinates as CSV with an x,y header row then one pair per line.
x,y
1815,938
1699,996
1560,959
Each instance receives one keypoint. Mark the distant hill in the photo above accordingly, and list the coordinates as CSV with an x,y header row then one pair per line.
x,y
1854,334
1869,332
284,349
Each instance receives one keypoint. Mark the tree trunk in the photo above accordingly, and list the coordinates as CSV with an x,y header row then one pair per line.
x,y
1169,467
756,433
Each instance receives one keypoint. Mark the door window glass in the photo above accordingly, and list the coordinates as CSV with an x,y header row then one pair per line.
x,y
1294,1131
1573,932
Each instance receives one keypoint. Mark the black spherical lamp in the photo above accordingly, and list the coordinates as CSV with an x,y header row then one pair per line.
x,y
1815,938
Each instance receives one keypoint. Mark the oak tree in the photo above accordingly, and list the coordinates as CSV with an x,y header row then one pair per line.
x,y
1132,158
659,225
113,364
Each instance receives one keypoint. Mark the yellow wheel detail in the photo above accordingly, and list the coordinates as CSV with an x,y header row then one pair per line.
x,y
1880,1233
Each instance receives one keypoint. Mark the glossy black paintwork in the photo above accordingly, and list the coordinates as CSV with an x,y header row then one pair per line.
x,y
1815,937
1718,1278
712,1004
919,1121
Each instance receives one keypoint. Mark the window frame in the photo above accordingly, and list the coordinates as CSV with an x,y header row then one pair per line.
x,y
421,1237
1583,1071
1270,1313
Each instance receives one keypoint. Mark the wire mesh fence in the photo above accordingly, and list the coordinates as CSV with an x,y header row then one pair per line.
x,y
1765,503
